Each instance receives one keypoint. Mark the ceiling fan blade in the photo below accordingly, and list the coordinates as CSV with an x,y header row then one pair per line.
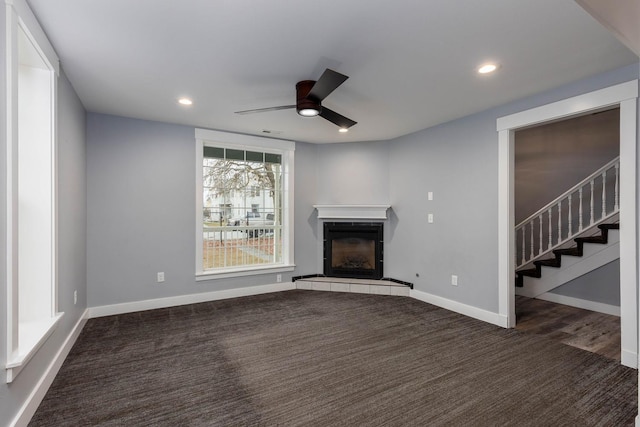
x,y
327,83
263,110
337,119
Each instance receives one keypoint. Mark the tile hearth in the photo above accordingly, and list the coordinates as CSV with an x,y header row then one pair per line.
x,y
363,286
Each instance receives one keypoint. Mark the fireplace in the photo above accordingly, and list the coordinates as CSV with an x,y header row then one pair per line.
x,y
353,249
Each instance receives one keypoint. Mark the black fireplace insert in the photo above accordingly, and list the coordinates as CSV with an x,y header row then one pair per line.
x,y
353,249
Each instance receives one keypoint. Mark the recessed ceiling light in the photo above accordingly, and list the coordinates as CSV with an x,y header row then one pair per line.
x,y
487,68
185,101
343,130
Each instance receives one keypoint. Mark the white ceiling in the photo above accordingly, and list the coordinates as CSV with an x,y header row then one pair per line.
x,y
411,63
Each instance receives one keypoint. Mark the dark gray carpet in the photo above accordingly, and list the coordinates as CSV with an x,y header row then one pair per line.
x,y
309,358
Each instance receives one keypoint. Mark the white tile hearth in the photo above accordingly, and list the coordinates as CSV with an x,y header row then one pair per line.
x,y
303,284
321,286
363,286
380,290
340,287
360,289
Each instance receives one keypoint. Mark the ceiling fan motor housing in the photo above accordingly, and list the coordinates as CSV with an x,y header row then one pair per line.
x,y
309,96
302,101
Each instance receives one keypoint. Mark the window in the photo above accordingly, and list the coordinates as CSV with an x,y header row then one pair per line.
x,y
31,174
244,223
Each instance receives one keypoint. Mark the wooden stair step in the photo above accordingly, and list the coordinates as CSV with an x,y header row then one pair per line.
x,y
574,251
531,272
615,226
592,239
550,262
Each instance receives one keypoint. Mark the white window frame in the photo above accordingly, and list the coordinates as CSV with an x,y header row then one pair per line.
x,y
286,149
24,338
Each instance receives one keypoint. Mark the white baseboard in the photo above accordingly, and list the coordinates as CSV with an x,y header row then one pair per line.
x,y
581,303
31,404
152,304
629,358
467,310
34,399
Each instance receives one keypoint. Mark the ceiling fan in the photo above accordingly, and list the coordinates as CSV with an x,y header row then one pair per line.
x,y
309,97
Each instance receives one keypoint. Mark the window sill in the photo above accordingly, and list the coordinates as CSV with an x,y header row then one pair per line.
x,y
32,336
228,273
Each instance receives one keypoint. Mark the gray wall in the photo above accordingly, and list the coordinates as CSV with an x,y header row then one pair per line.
x,y
353,173
458,162
600,285
141,198
551,158
71,244
141,189
306,219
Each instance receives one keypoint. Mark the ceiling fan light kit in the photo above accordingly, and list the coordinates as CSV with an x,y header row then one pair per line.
x,y
306,106
309,97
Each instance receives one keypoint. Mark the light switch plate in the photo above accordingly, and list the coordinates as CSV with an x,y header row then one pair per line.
x,y
430,218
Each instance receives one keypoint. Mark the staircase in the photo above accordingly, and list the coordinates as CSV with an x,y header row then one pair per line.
x,y
575,251
584,214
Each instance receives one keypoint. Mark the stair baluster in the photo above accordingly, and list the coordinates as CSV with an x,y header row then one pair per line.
x,y
524,255
540,245
615,203
550,232
580,209
527,251
569,218
532,252
604,194
592,220
559,221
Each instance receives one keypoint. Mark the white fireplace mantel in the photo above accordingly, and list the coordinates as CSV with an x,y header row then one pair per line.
x,y
352,211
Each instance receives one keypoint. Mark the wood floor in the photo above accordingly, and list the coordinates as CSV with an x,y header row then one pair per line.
x,y
594,332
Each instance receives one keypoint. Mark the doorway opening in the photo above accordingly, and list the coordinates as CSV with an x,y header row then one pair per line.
x,y
624,97
566,184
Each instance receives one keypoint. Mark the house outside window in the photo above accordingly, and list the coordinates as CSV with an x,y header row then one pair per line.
x,y
245,188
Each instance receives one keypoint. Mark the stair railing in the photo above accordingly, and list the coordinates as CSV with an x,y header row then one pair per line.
x,y
583,206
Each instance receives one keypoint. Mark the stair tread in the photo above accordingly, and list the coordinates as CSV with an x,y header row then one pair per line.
x,y
572,251
568,251
592,239
615,226
531,272
550,262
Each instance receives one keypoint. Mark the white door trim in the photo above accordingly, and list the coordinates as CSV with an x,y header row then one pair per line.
x,y
625,96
